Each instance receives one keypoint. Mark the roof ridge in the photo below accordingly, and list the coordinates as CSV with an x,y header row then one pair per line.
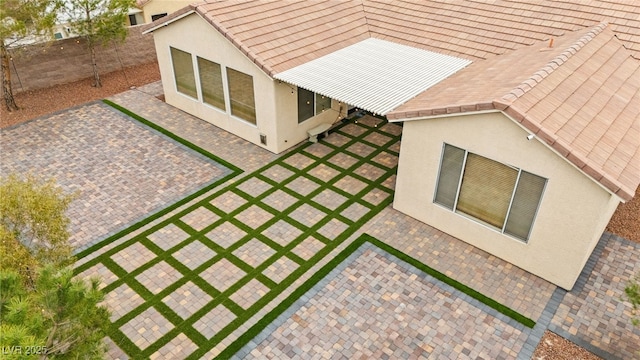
x,y
366,17
552,65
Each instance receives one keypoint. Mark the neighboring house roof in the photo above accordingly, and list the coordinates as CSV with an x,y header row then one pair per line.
x,y
581,97
280,35
141,3
376,75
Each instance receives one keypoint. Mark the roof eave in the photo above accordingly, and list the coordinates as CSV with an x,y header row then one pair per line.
x,y
164,21
447,111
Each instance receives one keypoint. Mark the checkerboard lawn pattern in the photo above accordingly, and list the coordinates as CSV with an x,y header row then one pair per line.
x,y
180,287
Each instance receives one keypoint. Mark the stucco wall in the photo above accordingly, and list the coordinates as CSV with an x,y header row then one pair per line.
x,y
572,215
276,106
156,7
68,60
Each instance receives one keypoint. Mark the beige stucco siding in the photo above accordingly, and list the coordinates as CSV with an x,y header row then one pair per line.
x,y
572,215
193,35
157,7
276,103
289,132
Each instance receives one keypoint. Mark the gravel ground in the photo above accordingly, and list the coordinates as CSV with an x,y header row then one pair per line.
x,y
40,102
555,347
625,221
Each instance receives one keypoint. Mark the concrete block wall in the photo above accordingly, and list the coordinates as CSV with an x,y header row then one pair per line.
x,y
68,60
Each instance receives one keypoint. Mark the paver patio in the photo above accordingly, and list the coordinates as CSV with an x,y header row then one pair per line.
x,y
377,306
193,282
122,170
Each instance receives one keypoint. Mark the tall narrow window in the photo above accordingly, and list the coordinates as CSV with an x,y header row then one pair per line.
x,y
311,104
525,205
322,103
241,95
496,194
211,83
305,104
449,179
183,72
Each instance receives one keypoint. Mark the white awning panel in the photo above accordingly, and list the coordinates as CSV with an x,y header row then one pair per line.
x,y
374,75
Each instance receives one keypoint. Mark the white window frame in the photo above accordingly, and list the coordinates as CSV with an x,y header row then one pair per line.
x,y
480,221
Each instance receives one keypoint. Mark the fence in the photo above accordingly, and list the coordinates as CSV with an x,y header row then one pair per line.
x,y
68,60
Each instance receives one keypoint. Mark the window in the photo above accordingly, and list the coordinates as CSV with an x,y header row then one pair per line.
x,y
322,103
241,95
158,16
311,104
211,83
501,196
132,20
183,72
57,36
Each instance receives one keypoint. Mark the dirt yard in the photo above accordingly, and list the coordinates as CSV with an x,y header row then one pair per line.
x,y
44,101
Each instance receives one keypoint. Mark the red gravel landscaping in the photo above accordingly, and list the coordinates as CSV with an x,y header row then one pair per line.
x,y
40,102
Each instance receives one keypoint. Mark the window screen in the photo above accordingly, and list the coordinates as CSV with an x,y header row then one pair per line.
x,y
183,72
525,205
211,83
241,95
450,171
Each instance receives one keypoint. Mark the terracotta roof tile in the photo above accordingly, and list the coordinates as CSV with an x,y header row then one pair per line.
x,y
571,94
582,101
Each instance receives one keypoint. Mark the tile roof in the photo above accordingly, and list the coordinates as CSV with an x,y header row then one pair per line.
x,y
479,29
581,97
279,35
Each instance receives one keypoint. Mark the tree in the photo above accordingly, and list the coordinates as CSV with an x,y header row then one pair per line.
x,y
61,317
632,292
21,20
98,21
33,212
41,304
14,255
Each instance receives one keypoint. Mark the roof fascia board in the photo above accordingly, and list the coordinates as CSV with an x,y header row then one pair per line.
x,y
152,29
429,117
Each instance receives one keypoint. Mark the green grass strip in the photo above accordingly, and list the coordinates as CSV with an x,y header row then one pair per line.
x,y
343,255
235,171
243,339
173,136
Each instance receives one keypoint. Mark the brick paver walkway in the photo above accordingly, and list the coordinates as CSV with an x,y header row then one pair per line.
x,y
223,144
191,283
243,245
378,307
592,314
121,170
